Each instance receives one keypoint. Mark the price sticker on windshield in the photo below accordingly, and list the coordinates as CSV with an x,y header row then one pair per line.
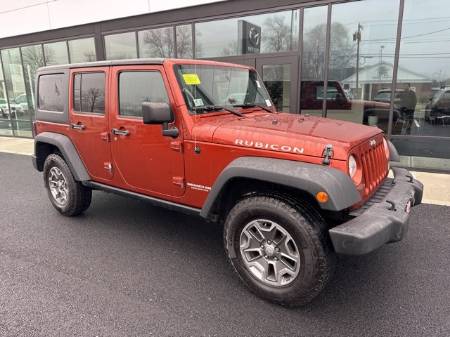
x,y
191,79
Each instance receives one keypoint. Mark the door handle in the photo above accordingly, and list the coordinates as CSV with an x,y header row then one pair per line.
x,y
78,126
120,132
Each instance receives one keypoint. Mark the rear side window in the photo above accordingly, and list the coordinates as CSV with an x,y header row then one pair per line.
x,y
89,93
50,90
136,87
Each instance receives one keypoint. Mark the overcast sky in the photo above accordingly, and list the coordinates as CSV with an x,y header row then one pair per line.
x,y
19,17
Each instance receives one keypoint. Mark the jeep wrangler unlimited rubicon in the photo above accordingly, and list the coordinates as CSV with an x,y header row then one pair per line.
x,y
203,137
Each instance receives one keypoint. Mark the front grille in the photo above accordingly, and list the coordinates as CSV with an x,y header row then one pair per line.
x,y
375,163
377,197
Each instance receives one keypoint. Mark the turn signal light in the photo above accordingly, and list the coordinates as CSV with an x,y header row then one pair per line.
x,y
322,197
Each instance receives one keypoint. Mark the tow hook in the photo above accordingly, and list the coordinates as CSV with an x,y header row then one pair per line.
x,y
327,154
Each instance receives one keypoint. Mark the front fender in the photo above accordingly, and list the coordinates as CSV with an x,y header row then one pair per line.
x,y
307,177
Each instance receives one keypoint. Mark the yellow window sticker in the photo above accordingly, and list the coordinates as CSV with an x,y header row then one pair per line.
x,y
191,79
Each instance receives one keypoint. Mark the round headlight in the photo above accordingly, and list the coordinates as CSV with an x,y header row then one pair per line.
x,y
352,166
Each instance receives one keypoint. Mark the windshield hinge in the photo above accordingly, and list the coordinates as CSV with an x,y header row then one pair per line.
x,y
327,154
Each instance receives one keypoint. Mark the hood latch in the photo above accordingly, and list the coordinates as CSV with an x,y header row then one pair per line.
x,y
327,154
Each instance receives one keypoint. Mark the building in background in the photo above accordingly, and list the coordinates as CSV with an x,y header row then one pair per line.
x,y
331,58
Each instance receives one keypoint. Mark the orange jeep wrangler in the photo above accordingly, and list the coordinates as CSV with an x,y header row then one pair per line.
x,y
203,137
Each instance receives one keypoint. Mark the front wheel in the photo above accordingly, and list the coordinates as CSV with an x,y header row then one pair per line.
x,y
279,249
66,194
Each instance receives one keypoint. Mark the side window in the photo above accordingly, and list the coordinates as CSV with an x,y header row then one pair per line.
x,y
89,93
51,95
136,87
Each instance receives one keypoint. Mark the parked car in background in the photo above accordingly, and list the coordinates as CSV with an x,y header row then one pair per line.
x,y
22,102
438,109
384,95
341,106
5,109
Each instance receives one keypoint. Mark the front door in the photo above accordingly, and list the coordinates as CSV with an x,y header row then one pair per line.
x,y
145,161
89,111
280,76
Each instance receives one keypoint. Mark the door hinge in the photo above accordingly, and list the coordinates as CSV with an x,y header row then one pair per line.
x,y
179,181
176,145
107,166
105,136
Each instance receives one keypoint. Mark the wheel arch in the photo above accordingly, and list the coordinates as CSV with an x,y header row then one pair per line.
x,y
268,175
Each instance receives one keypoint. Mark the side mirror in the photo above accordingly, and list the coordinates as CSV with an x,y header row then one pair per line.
x,y
159,113
156,113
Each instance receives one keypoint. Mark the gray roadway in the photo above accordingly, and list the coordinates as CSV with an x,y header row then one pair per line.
x,y
128,269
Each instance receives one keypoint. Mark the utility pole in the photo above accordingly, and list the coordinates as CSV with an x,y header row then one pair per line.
x,y
357,36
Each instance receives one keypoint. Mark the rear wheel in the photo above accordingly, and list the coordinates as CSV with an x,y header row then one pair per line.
x,y
66,194
279,249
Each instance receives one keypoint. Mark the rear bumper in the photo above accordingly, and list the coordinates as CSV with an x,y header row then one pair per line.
x,y
381,221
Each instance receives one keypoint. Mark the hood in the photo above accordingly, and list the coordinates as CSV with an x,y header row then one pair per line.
x,y
284,132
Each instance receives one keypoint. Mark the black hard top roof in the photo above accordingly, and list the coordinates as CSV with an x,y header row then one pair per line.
x,y
104,63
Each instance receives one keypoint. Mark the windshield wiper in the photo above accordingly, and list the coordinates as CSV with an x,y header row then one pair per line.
x,y
252,105
217,108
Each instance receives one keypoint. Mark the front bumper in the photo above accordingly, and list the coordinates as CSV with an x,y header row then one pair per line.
x,y
383,219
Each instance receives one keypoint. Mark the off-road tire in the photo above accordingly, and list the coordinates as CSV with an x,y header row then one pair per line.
x,y
79,197
308,230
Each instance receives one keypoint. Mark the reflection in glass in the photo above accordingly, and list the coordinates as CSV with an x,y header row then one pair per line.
x,y
265,33
313,59
89,93
56,53
33,58
277,79
5,123
184,41
18,107
362,49
82,50
157,42
120,46
423,87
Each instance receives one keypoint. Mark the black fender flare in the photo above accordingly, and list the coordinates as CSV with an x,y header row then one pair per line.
x,y
67,149
310,178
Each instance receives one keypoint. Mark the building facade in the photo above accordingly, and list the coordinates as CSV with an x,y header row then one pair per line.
x,y
377,62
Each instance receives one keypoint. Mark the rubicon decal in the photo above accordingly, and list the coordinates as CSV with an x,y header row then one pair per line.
x,y
267,146
199,187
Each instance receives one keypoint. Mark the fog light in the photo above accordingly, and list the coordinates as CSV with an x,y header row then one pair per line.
x,y
322,197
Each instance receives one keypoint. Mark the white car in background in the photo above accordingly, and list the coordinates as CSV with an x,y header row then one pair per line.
x,y
5,112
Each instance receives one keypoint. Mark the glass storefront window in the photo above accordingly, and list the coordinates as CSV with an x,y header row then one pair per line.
x,y
56,53
120,46
265,33
184,41
423,83
82,50
157,42
17,107
313,59
362,50
32,58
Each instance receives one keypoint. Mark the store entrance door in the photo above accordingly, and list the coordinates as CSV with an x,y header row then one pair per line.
x,y
279,74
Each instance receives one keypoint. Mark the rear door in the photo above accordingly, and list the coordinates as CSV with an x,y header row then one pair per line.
x,y
88,110
145,161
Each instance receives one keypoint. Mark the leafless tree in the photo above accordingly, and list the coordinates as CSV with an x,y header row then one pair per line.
x,y
277,34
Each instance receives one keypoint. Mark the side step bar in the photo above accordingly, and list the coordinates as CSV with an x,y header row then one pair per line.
x,y
155,201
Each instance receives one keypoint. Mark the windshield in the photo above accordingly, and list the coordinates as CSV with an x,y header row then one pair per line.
x,y
206,86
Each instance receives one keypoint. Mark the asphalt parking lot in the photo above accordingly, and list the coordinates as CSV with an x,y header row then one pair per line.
x,y
126,268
